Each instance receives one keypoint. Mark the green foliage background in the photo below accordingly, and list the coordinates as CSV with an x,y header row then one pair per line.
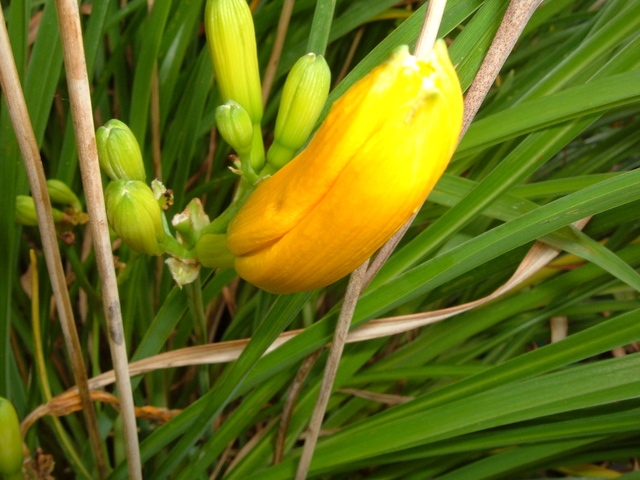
x,y
557,140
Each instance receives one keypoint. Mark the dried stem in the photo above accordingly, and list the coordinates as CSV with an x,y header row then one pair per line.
x,y
349,58
81,109
430,27
35,172
335,352
274,60
42,369
514,21
155,124
155,114
292,398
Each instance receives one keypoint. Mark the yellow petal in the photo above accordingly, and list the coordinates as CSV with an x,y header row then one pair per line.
x,y
369,167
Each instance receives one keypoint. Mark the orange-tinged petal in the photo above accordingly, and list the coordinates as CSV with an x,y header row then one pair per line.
x,y
369,167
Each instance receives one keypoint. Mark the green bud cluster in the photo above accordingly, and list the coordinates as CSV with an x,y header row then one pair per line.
x,y
11,455
134,213
119,152
305,93
232,44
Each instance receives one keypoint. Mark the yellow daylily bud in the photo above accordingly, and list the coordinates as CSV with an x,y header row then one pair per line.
x,y
133,212
232,44
119,152
303,97
212,251
26,211
11,455
60,192
234,124
368,168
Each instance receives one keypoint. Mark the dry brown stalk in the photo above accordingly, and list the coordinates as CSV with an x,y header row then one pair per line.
x,y
82,113
37,182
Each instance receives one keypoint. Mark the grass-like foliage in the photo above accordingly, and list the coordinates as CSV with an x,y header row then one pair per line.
x,y
539,382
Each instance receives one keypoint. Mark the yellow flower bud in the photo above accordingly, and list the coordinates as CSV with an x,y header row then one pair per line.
x,y
303,97
374,160
234,124
59,192
11,455
232,44
134,213
26,211
119,152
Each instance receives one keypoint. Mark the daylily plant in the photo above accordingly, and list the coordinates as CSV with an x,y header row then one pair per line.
x,y
311,220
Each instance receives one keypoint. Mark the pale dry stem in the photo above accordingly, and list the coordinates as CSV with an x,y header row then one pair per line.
x,y
354,288
37,181
81,109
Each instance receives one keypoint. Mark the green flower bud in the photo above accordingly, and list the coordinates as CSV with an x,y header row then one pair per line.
x,y
11,455
60,192
26,211
134,213
212,251
119,152
304,95
234,124
232,45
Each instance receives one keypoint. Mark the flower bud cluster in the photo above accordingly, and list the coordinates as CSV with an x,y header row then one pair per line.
x,y
133,210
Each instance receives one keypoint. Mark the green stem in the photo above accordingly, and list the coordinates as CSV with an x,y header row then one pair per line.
x,y
321,26
194,295
42,369
221,222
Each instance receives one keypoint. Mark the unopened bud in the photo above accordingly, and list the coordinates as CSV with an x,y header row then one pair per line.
x,y
26,211
232,45
60,192
235,126
119,152
304,95
11,455
135,215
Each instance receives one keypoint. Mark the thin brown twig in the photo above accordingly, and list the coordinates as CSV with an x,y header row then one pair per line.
x,y
155,124
155,114
335,353
221,461
289,404
349,58
35,172
515,19
81,109
276,52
